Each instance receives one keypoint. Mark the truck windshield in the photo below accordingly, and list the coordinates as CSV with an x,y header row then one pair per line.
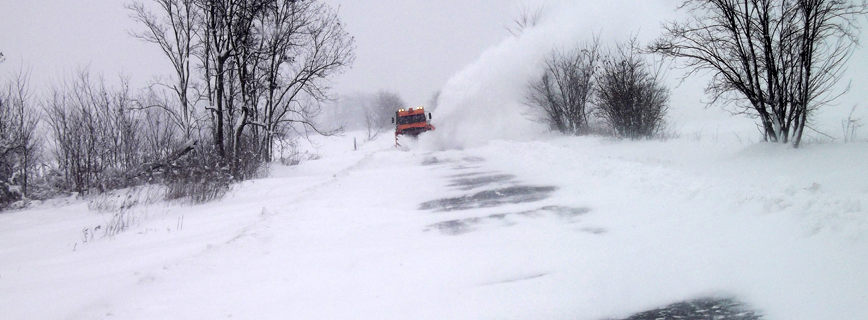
x,y
412,119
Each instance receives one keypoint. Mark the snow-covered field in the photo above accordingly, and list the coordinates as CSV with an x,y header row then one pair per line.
x,y
554,228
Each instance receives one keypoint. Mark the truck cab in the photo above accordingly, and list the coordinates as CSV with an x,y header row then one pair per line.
x,y
411,121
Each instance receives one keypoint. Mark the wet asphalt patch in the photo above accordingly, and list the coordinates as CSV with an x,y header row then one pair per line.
x,y
461,226
701,309
487,190
456,227
473,159
594,230
469,175
478,181
430,161
490,198
563,212
465,163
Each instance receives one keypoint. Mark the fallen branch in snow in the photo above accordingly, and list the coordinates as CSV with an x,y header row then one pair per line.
x,y
186,148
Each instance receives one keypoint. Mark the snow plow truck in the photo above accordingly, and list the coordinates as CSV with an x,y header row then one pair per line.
x,y
411,122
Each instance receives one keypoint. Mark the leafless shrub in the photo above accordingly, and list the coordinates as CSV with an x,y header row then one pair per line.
x,y
851,126
122,205
288,151
563,93
373,127
291,154
631,97
95,133
667,134
115,200
199,177
120,221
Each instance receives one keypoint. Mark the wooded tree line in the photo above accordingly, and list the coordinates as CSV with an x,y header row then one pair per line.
x,y
244,73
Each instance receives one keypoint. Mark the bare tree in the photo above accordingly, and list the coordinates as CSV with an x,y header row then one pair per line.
x,y
216,22
563,93
631,97
303,44
777,60
175,33
19,145
373,127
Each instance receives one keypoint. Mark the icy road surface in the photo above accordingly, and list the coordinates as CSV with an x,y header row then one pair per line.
x,y
567,228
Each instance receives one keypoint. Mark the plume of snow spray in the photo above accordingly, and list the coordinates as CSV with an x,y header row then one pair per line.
x,y
485,100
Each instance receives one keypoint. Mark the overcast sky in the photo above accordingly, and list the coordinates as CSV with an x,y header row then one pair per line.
x,y
55,37
411,47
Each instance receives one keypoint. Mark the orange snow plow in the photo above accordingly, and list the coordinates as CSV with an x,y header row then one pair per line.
x,y
411,122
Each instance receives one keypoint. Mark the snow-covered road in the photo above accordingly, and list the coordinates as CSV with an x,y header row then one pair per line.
x,y
567,228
